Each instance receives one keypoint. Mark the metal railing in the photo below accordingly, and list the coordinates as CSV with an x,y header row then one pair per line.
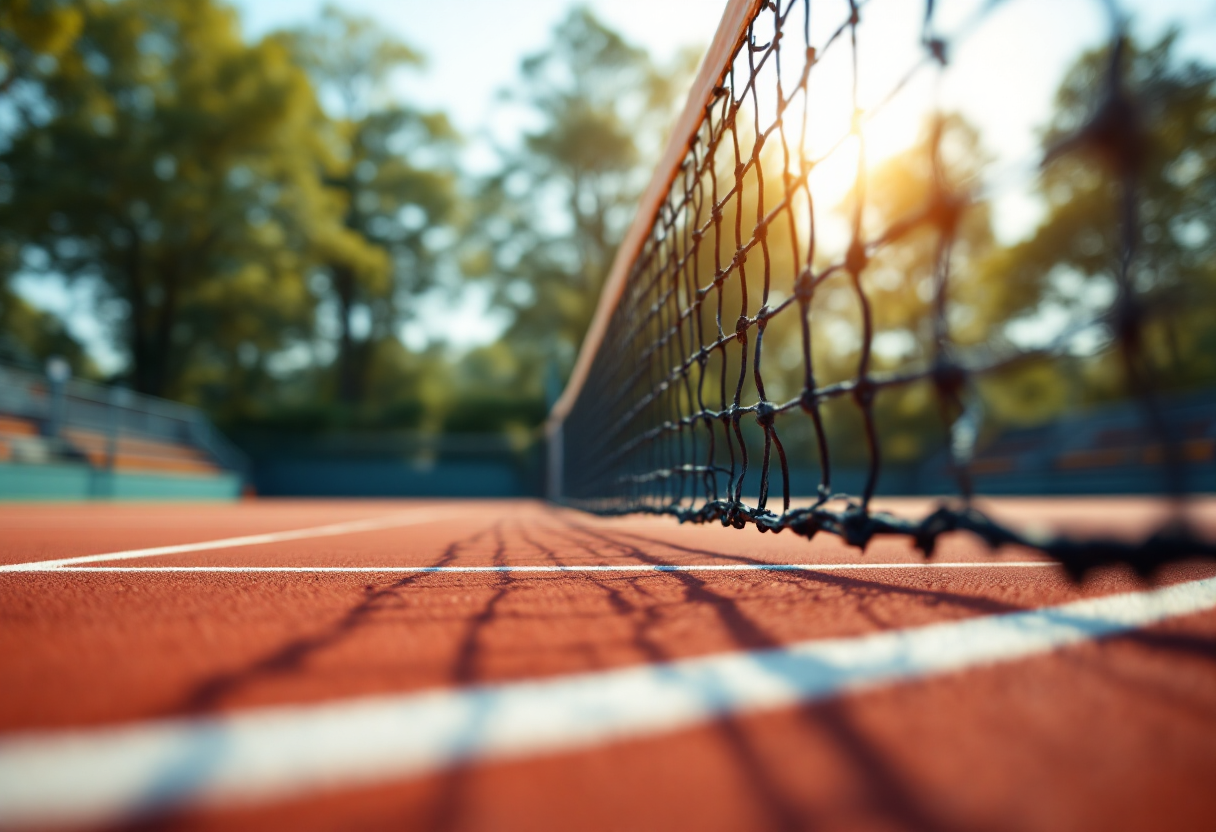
x,y
58,403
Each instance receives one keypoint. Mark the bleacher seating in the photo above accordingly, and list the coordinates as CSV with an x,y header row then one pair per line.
x,y
1105,448
66,438
20,441
138,454
1109,447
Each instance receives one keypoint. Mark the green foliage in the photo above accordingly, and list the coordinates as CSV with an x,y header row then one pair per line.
x,y
29,336
393,167
1069,264
176,168
548,223
33,35
259,220
352,58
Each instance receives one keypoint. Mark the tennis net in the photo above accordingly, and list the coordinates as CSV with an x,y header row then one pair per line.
x,y
795,295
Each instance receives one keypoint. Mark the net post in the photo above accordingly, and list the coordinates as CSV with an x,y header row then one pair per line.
x,y
553,461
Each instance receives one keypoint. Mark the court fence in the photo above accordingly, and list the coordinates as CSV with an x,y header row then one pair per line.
x,y
392,464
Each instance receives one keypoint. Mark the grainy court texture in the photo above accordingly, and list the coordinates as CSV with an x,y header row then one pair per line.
x,y
513,665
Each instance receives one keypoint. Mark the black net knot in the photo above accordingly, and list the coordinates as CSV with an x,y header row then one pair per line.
x,y
804,287
1126,322
855,261
808,400
766,414
946,211
857,527
937,48
949,378
741,326
864,392
942,520
1115,131
1116,135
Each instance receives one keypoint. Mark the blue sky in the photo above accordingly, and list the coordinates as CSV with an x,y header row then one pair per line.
x,y
474,47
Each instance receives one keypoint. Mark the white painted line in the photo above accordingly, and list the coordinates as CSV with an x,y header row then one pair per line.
x,y
624,567
392,521
113,774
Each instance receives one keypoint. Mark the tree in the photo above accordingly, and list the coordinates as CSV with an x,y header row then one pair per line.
x,y
33,35
550,219
394,169
176,167
30,336
1070,261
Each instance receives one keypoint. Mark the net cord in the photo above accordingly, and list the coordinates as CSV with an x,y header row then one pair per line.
x,y
732,31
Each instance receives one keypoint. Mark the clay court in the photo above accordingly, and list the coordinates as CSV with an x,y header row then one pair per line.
x,y
884,249
514,665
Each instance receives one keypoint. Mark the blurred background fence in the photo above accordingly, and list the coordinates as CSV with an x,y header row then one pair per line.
x,y
65,438
387,464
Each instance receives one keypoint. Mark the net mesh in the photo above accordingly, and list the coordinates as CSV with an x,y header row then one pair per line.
x,y
753,333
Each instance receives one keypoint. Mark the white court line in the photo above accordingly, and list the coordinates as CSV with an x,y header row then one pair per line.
x,y
111,774
392,521
625,567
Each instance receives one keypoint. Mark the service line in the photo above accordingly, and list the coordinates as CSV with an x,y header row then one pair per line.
x,y
121,773
391,521
623,567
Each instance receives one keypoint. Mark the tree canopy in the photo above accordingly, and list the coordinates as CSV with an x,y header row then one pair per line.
x,y
548,222
174,166
395,171
260,222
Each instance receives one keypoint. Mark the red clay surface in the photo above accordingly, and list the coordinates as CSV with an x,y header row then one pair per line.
x,y
47,531
1119,734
